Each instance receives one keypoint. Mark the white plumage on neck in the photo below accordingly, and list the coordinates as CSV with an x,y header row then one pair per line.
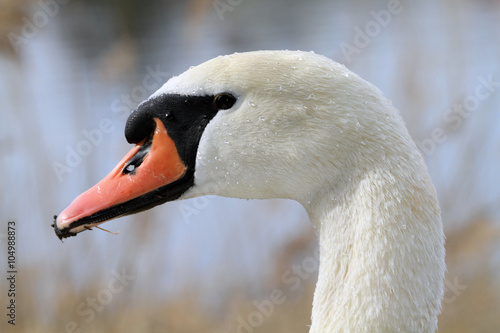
x,y
381,253
306,128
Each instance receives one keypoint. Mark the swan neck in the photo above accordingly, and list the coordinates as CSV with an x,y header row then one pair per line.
x,y
381,254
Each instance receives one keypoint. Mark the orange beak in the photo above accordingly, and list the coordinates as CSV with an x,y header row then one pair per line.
x,y
140,181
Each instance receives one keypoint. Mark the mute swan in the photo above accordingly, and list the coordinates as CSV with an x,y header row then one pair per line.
x,y
296,125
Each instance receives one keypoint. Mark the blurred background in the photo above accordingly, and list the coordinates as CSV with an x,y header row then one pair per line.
x,y
69,69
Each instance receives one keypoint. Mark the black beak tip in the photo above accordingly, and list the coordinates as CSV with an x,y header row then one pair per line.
x,y
61,233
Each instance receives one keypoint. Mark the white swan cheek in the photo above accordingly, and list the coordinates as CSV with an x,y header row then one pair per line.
x,y
225,166
211,174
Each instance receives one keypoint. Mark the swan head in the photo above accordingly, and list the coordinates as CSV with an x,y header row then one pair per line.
x,y
266,124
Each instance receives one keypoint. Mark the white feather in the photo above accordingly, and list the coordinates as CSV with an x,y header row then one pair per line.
x,y
306,128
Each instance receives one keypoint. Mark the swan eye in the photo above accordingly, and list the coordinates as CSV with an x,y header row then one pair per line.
x,y
224,101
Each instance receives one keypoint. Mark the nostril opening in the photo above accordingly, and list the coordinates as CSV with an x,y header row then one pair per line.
x,y
139,157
